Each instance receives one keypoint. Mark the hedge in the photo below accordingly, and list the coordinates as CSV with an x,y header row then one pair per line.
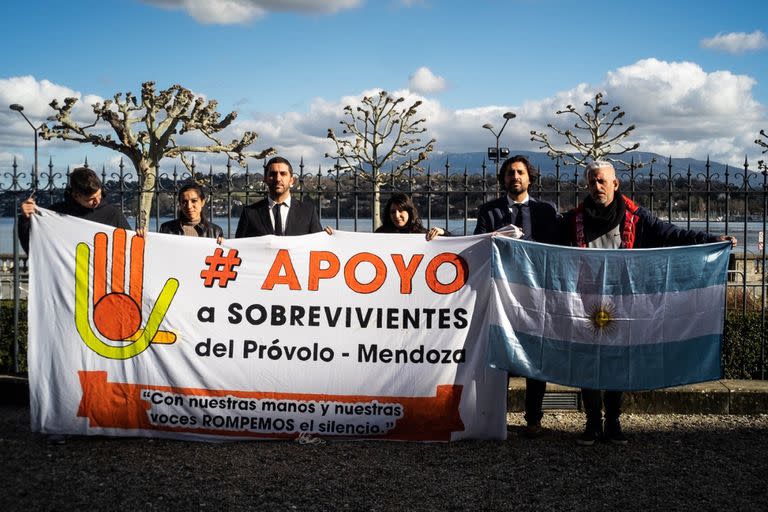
x,y
6,336
741,346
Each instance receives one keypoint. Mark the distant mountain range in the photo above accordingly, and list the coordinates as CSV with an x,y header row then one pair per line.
x,y
474,161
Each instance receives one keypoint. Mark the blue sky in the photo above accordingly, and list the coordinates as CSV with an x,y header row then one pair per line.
x,y
289,67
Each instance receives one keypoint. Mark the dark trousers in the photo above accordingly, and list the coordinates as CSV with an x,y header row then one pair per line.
x,y
534,396
594,400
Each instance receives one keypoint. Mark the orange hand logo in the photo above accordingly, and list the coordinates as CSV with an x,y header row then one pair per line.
x,y
117,314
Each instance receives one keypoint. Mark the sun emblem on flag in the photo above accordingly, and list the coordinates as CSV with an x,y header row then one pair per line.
x,y
602,318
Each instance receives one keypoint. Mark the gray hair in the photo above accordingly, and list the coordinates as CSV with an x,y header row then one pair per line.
x,y
599,164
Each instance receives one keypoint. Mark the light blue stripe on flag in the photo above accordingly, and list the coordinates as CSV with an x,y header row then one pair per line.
x,y
609,271
621,368
608,319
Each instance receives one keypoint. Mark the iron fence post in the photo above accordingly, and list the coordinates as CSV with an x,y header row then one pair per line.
x,y
16,285
764,274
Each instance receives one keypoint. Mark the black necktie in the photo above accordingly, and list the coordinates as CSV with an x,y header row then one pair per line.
x,y
519,215
278,219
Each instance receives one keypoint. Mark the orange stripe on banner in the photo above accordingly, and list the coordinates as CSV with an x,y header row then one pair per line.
x,y
137,268
99,266
121,405
118,261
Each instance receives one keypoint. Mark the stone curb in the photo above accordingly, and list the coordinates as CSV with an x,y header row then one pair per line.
x,y
715,397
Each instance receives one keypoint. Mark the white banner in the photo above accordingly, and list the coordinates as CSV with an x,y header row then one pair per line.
x,y
352,335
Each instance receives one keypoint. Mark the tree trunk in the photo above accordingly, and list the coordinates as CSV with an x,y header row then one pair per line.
x,y
376,206
147,194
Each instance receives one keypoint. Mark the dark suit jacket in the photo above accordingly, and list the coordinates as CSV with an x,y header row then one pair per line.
x,y
495,214
254,221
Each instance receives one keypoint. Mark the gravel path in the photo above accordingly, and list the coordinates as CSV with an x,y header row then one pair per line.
x,y
673,462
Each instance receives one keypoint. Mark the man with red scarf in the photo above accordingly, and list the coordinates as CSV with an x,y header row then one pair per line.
x,y
608,219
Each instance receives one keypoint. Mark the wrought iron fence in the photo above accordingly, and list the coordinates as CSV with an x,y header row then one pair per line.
x,y
729,200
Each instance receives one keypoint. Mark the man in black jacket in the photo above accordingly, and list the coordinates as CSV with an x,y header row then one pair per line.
x,y
538,221
278,214
84,199
608,219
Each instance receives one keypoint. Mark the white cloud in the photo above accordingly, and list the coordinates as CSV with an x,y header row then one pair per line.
x,y
679,109
6,160
227,12
736,42
35,95
677,106
423,81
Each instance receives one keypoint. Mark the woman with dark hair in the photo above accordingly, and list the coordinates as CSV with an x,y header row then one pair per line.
x,y
401,216
190,218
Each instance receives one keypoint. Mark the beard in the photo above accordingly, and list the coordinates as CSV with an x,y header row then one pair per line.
x,y
516,188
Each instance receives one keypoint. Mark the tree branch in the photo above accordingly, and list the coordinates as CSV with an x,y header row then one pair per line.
x,y
598,125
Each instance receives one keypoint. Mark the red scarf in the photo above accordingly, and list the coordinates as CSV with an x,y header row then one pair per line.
x,y
628,229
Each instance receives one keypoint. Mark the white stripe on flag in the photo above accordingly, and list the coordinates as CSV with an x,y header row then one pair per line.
x,y
628,319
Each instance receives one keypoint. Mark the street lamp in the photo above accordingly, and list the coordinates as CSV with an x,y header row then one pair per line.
x,y
16,278
20,109
497,153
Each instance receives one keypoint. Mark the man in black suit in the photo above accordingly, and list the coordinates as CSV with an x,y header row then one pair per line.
x,y
278,214
538,221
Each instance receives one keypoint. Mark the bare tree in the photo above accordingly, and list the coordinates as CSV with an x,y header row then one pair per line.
x,y
593,136
146,129
761,164
378,132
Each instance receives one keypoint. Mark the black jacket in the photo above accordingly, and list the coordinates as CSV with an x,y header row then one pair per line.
x,y
255,221
495,214
648,230
104,214
173,227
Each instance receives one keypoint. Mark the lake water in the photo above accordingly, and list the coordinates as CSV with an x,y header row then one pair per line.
x,y
454,226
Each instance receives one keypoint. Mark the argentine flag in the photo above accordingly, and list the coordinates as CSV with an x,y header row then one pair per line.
x,y
608,318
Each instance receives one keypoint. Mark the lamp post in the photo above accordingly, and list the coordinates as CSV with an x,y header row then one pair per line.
x,y
16,277
20,109
496,153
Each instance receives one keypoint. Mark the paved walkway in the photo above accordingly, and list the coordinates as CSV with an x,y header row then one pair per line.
x,y
672,462
709,458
